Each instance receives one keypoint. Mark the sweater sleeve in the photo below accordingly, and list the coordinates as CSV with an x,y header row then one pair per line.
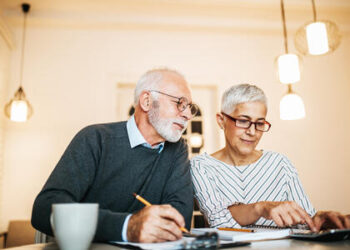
x,y
70,181
211,200
178,190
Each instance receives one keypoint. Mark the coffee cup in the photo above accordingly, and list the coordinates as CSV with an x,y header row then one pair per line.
x,y
74,224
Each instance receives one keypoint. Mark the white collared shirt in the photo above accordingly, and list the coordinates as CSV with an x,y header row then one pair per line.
x,y
136,138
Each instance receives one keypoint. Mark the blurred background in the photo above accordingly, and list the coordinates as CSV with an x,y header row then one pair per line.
x,y
83,57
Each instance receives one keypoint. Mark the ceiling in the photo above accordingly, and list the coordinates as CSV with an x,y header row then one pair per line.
x,y
205,14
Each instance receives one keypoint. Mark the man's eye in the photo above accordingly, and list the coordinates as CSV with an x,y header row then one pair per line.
x,y
183,105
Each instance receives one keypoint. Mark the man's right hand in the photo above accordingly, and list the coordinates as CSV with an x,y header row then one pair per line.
x,y
156,223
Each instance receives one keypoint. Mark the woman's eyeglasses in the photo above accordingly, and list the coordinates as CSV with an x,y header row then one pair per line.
x,y
262,126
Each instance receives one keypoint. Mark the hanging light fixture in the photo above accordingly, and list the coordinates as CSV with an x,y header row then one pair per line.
x,y
288,64
18,109
317,37
291,106
196,140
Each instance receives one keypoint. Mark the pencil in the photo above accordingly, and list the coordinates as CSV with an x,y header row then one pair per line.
x,y
146,203
142,200
236,229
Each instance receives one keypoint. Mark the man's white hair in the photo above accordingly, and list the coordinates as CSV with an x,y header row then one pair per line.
x,y
241,93
151,80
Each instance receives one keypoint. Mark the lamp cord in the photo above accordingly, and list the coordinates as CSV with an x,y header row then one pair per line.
x,y
284,28
314,10
23,46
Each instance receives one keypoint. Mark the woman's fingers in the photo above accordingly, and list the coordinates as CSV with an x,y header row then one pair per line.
x,y
288,213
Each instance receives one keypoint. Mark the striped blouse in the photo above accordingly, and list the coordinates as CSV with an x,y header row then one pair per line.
x,y
218,185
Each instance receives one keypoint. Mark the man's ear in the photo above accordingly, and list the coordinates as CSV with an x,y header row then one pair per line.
x,y
220,120
145,101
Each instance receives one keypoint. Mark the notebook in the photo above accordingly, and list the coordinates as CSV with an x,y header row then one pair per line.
x,y
270,233
258,234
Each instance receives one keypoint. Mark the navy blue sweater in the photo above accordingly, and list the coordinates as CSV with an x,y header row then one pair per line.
x,y
99,166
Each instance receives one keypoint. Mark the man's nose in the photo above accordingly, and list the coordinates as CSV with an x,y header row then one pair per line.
x,y
187,113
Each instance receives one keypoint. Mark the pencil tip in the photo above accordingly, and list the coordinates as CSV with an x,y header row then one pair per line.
x,y
134,194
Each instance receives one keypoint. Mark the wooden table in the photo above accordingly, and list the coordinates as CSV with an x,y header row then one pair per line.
x,y
272,244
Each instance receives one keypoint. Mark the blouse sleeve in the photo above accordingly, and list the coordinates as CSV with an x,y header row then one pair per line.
x,y
296,189
212,202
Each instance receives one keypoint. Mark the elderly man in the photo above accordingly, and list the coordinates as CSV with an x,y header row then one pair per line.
x,y
107,163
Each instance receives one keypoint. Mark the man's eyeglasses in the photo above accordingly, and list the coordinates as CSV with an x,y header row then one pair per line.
x,y
182,103
262,126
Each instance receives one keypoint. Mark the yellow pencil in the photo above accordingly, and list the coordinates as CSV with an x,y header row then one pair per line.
x,y
236,229
146,203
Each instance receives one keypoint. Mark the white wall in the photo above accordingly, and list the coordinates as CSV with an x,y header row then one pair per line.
x,y
5,54
71,74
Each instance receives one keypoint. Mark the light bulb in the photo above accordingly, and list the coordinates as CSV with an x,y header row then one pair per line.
x,y
196,140
19,111
317,38
288,68
292,107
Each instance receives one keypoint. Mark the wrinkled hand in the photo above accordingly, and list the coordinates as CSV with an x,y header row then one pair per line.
x,y
331,219
286,213
156,223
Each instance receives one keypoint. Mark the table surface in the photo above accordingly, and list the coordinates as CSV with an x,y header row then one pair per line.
x,y
272,244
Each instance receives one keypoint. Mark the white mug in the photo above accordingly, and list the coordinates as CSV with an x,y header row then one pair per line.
x,y
74,224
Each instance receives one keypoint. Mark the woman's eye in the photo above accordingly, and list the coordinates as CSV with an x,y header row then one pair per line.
x,y
243,121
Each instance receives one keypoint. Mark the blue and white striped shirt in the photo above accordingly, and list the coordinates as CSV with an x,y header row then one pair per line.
x,y
218,185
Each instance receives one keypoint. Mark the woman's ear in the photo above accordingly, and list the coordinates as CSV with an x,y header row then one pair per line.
x,y
220,120
145,101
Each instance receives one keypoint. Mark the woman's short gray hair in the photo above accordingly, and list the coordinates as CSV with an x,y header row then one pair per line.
x,y
151,80
241,93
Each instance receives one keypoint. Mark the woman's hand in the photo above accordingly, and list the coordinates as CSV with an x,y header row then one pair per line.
x,y
285,213
331,219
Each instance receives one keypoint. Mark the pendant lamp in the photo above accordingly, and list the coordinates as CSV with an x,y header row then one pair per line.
x,y
291,106
18,109
288,64
317,37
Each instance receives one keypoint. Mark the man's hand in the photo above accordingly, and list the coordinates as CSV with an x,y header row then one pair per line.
x,y
286,213
156,223
331,219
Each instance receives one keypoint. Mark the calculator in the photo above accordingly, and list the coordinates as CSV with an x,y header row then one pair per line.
x,y
325,235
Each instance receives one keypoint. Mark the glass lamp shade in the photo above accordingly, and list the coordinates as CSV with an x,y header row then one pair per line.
x,y
317,38
292,107
288,68
196,140
19,109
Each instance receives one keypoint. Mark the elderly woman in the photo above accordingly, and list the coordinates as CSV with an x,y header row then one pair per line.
x,y
240,185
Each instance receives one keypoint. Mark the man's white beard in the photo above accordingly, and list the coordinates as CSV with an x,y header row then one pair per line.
x,y
163,126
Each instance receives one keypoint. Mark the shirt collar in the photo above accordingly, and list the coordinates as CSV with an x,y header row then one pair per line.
x,y
136,138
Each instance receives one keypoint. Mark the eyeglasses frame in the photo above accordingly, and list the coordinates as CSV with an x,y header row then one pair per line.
x,y
250,122
178,102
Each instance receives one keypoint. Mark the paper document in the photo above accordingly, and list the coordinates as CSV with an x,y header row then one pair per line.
x,y
179,244
185,243
200,242
260,234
